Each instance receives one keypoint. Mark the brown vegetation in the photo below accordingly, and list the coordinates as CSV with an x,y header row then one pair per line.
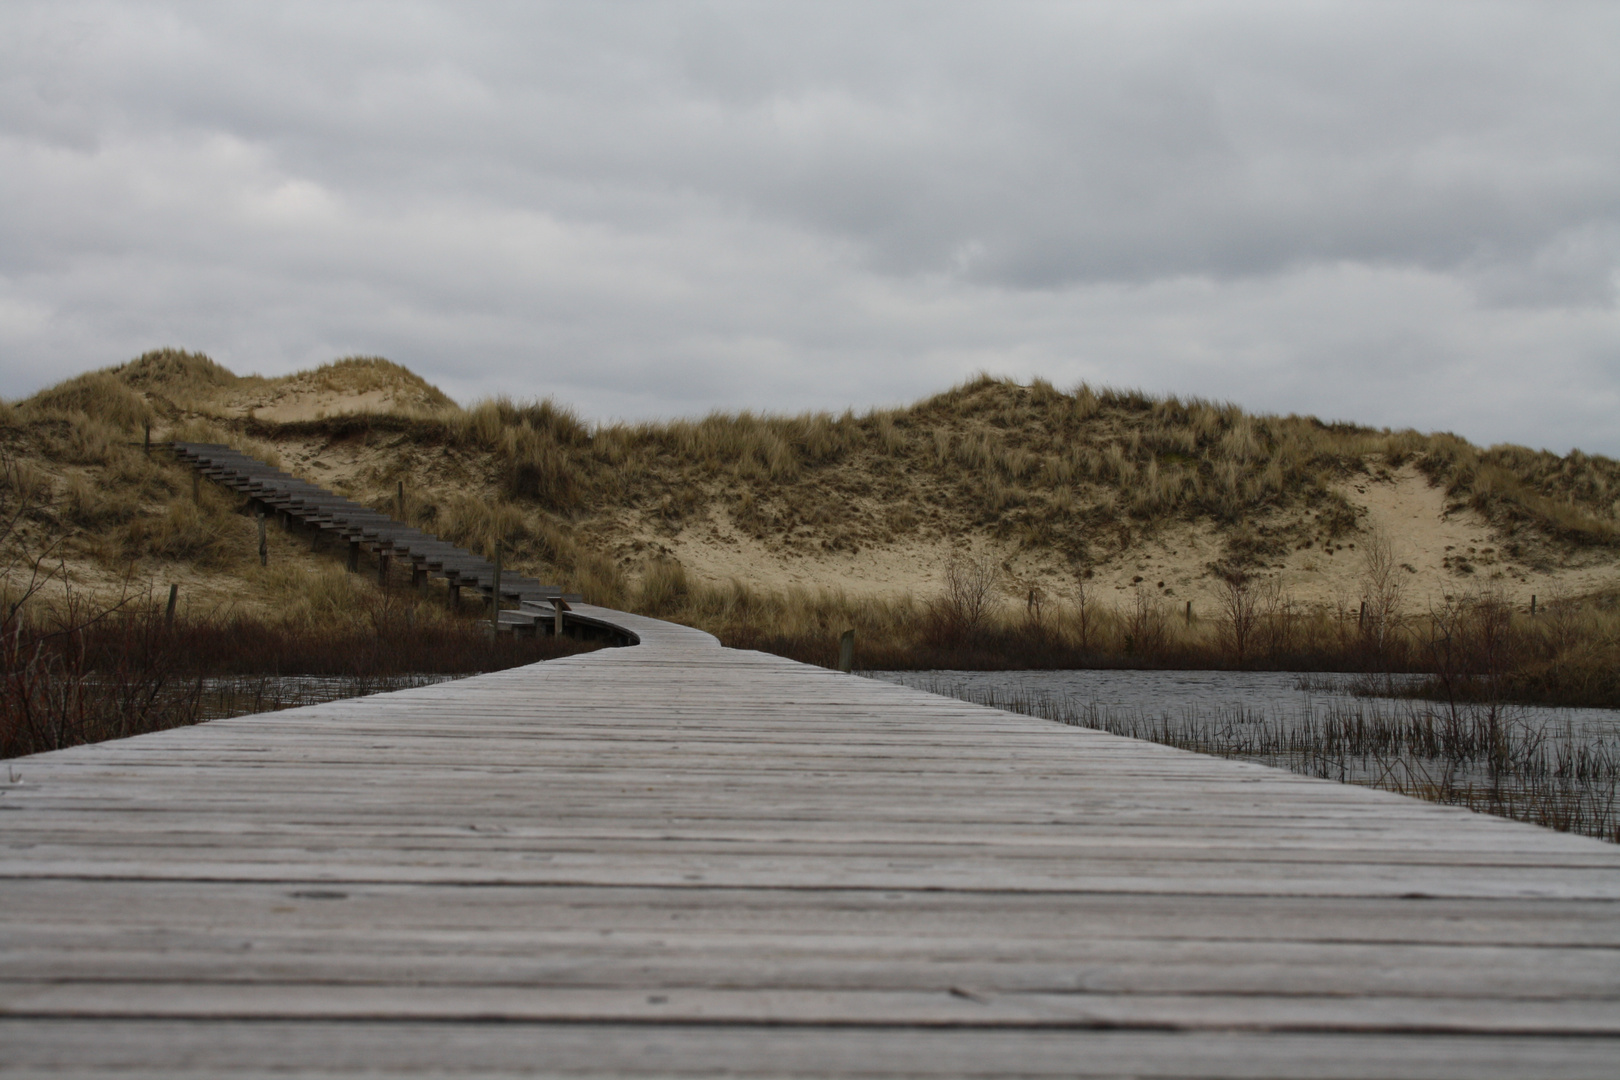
x,y
988,469
75,672
81,665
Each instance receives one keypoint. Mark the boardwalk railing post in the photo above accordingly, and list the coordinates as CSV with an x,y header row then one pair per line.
x,y
495,593
846,651
354,556
558,606
382,566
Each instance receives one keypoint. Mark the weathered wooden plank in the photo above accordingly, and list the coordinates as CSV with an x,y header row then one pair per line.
x,y
771,864
164,1049
944,1007
475,957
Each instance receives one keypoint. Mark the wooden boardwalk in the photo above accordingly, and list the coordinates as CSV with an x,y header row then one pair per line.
x,y
677,859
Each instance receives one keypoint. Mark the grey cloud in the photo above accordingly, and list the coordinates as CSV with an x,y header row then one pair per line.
x,y
658,208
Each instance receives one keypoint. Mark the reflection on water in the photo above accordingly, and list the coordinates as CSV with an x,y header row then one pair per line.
x,y
1276,694
1554,767
238,695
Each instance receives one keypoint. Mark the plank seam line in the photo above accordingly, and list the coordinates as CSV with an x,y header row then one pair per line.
x,y
718,1024
942,890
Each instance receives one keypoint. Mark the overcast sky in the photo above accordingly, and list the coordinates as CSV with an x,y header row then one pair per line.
x,y
1404,214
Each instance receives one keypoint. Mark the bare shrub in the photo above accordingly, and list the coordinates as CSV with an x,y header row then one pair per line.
x,y
1084,611
1279,623
961,610
1240,611
1382,589
1146,626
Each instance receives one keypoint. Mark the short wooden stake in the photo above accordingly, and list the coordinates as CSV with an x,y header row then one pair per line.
x,y
196,486
846,651
1189,613
455,596
495,593
557,607
168,616
1532,605
264,547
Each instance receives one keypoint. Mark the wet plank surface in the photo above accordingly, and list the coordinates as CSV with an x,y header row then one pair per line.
x,y
679,859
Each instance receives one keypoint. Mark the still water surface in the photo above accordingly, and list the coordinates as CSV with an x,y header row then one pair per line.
x,y
1276,695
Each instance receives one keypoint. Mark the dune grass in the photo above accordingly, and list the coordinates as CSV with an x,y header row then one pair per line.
x,y
1081,474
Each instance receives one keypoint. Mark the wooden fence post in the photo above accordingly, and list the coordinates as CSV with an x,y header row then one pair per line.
x,y
264,548
168,616
1532,605
399,502
846,651
354,556
495,593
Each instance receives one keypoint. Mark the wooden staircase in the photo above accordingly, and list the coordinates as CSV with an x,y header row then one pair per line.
x,y
316,508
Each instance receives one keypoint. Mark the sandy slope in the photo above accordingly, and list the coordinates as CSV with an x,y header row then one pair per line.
x,y
1444,552
1433,545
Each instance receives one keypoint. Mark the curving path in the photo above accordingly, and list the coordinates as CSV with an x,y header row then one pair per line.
x,y
679,859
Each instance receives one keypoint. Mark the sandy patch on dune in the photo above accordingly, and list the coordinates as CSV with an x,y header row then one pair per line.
x,y
1441,552
1447,552
314,405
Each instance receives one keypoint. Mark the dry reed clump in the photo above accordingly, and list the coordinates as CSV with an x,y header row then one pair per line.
x,y
664,588
1471,648
327,596
477,524
363,374
175,374
203,532
99,396
22,483
75,671
1484,757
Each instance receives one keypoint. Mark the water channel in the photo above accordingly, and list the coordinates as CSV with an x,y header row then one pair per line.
x,y
1558,767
